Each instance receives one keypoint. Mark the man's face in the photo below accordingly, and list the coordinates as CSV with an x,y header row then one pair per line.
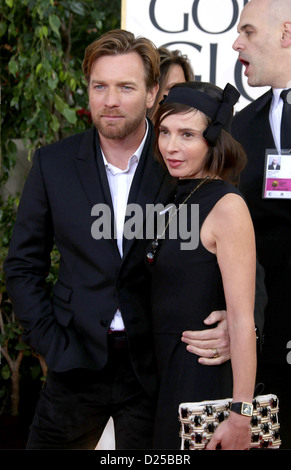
x,y
118,96
258,44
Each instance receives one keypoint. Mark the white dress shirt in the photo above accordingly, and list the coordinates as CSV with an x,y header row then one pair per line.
x,y
119,184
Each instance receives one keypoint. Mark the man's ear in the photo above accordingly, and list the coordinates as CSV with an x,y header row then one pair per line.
x,y
286,34
151,95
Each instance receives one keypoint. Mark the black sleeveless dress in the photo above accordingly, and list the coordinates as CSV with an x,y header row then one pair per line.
x,y
186,287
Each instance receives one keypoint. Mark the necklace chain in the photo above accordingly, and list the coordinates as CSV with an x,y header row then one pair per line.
x,y
180,205
155,244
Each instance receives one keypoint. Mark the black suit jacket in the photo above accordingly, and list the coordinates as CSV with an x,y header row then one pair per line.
x,y
251,127
70,328
272,222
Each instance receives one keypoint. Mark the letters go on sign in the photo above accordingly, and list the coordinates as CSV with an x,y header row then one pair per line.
x,y
204,30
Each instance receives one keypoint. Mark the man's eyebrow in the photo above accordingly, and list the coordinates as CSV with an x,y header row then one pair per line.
x,y
122,82
93,80
245,26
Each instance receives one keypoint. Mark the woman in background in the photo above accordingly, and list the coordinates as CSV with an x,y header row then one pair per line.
x,y
175,67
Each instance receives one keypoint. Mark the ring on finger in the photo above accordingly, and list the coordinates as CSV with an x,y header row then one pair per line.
x,y
215,353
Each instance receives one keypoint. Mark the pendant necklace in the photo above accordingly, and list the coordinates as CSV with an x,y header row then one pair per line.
x,y
151,256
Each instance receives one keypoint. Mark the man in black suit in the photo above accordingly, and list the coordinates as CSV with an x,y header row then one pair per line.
x,y
94,333
264,47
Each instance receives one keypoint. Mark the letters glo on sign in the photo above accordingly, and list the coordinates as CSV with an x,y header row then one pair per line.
x,y
204,30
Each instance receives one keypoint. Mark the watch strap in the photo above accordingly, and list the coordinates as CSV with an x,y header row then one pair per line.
x,y
242,408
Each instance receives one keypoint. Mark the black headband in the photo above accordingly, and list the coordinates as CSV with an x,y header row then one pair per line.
x,y
220,112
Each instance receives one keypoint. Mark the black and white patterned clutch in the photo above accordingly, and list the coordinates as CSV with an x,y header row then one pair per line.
x,y
199,421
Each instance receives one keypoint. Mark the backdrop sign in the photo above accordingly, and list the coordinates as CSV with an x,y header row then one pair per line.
x,y
204,30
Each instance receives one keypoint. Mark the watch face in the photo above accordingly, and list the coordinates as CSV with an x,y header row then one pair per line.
x,y
247,409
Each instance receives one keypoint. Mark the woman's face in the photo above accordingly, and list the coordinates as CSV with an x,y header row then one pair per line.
x,y
182,144
176,75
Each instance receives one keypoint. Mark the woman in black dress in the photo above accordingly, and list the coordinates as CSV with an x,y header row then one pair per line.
x,y
203,259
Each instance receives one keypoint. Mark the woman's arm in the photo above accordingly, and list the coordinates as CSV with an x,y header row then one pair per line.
x,y
228,232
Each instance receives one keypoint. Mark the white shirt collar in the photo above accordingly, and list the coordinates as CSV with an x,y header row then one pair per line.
x,y
276,97
133,159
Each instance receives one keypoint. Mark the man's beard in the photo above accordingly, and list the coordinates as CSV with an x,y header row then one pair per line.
x,y
119,130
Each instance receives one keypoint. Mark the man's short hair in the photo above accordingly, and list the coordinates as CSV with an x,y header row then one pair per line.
x,y
118,42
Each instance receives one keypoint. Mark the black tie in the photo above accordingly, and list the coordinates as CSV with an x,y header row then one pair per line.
x,y
286,120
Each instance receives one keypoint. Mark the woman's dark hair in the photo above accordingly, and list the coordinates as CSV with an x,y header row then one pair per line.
x,y
226,159
168,59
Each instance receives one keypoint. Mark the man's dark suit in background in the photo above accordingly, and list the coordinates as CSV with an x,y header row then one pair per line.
x,y
272,222
264,47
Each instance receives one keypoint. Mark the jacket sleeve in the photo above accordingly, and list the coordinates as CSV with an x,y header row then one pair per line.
x,y
27,266
261,300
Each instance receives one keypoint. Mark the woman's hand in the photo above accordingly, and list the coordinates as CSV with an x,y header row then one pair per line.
x,y
206,342
232,434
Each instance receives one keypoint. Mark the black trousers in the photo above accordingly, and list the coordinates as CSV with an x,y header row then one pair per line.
x,y
75,406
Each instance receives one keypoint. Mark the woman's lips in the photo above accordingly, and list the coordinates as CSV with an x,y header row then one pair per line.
x,y
174,163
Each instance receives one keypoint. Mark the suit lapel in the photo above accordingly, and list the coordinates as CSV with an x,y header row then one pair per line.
x,y
262,109
264,100
92,174
146,187
91,169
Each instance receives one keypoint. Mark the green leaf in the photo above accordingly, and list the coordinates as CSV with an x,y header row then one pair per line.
x,y
39,66
5,372
14,101
43,32
59,103
9,3
63,76
3,28
77,7
73,84
46,65
55,24
70,115
21,346
13,67
54,123
12,148
52,82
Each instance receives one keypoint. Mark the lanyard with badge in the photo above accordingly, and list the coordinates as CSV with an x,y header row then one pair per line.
x,y
277,172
